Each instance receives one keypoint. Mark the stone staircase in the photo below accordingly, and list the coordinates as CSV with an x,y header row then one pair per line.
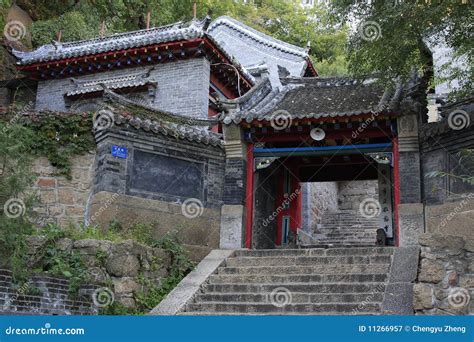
x,y
329,281
344,228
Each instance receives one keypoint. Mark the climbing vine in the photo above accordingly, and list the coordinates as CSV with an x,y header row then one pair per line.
x,y
60,137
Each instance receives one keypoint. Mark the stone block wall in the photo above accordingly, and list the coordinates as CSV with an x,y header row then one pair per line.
x,y
352,193
199,234
445,282
322,197
317,199
61,200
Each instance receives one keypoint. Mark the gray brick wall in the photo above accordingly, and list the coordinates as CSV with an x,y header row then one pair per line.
x,y
182,87
115,174
439,154
235,179
410,182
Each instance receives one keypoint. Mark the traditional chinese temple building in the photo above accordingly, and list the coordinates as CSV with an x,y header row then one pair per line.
x,y
229,136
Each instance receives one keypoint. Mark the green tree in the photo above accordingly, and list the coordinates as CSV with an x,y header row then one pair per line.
x,y
390,39
15,201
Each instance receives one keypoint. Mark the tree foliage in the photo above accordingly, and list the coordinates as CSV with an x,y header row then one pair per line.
x,y
390,36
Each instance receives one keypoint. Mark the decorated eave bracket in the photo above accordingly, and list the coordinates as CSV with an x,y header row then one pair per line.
x,y
385,158
263,162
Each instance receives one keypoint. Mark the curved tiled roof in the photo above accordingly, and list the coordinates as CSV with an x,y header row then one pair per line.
x,y
152,113
134,80
120,41
305,98
257,36
178,131
170,33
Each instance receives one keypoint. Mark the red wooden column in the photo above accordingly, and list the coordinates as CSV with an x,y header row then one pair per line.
x,y
249,197
396,185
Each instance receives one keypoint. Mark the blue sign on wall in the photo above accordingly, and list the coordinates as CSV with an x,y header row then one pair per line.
x,y
119,151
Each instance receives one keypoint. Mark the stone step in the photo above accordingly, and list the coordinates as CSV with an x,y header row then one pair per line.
x,y
320,269
296,278
345,232
348,227
315,252
296,298
294,308
303,260
295,287
336,245
347,239
328,241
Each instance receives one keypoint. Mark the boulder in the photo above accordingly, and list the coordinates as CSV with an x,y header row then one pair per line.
x,y
422,297
91,246
64,244
431,271
123,265
128,247
125,285
467,281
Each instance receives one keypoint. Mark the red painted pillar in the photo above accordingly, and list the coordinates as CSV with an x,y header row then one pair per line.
x,y
249,197
396,186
